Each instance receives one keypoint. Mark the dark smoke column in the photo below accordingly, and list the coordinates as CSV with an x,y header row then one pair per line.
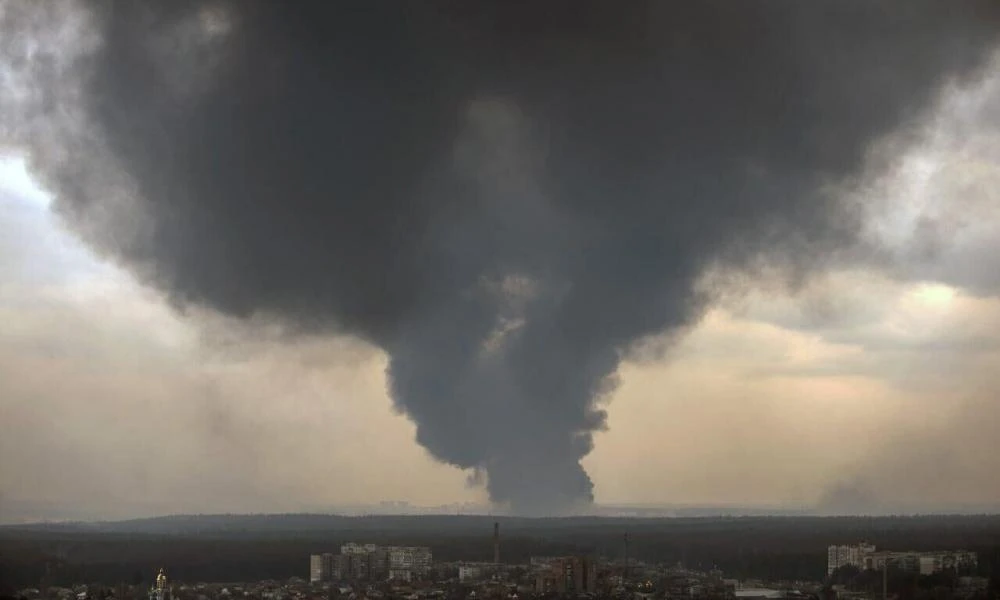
x,y
504,196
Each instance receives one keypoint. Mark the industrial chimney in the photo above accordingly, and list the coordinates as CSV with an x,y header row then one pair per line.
x,y
496,543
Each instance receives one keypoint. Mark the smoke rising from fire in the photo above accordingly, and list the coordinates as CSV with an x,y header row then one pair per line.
x,y
504,197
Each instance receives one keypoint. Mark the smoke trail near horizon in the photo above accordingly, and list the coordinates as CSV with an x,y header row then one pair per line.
x,y
505,197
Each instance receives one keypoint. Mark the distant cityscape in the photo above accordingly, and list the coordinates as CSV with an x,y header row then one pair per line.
x,y
581,576
863,556
368,570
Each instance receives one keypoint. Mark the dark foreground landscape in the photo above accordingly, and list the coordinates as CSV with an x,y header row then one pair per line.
x,y
250,548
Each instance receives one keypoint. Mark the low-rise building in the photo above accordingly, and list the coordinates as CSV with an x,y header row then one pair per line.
x,y
925,563
474,571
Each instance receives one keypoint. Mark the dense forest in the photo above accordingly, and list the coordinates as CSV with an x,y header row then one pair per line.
x,y
254,547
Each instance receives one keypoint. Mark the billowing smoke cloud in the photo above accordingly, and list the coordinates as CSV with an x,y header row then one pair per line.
x,y
503,196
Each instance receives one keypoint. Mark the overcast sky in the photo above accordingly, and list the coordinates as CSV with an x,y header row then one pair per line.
x,y
860,390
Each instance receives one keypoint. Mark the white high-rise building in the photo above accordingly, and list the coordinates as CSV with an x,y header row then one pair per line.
x,y
315,568
321,567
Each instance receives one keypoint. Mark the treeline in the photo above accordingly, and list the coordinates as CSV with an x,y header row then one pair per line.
x,y
463,524
243,548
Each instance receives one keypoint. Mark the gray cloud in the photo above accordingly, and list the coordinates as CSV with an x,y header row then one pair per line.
x,y
936,209
392,171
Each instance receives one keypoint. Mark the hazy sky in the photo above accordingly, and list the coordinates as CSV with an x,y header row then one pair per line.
x,y
862,389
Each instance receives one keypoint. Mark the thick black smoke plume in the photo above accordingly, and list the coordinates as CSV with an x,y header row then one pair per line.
x,y
505,196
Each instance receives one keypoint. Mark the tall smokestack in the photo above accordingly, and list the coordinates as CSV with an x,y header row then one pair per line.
x,y
496,543
625,577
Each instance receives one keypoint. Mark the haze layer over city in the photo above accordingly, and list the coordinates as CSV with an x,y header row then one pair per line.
x,y
537,259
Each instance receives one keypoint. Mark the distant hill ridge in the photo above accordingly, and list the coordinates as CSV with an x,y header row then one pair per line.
x,y
282,523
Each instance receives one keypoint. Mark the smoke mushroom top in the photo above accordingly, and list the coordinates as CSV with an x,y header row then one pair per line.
x,y
505,197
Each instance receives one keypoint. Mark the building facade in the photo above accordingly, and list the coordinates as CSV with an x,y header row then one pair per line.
x,y
412,558
316,568
371,562
925,563
469,572
844,555
322,567
864,557
353,549
567,575
474,571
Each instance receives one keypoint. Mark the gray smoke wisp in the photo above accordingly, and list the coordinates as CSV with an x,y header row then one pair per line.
x,y
504,196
